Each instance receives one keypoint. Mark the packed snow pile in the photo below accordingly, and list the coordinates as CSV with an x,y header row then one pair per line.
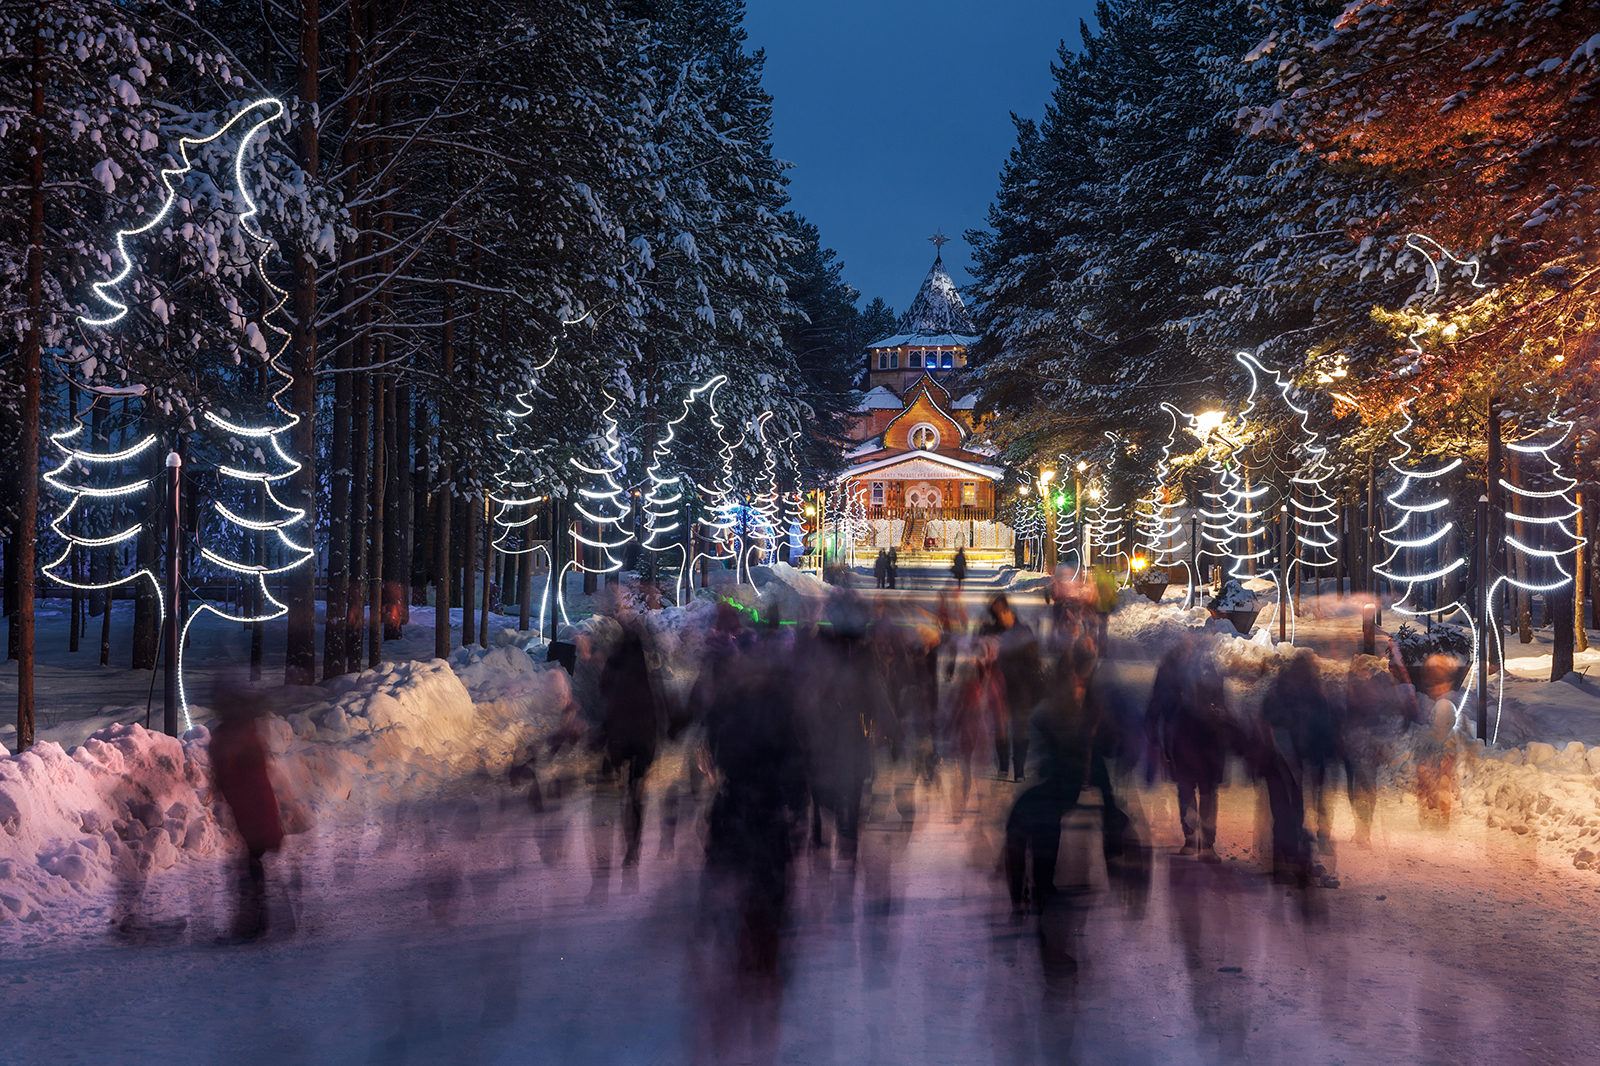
x,y
129,802
788,594
1547,794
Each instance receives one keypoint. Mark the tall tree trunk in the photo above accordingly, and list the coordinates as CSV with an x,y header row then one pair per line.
x,y
146,605
421,511
340,459
360,499
300,654
402,534
1580,573
380,474
32,345
395,564
446,481
489,583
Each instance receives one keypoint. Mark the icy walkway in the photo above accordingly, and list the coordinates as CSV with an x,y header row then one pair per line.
x,y
1440,946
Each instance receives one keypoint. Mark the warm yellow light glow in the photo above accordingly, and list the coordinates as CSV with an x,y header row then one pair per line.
x,y
1206,421
811,510
1094,494
1082,466
1140,562
1023,491
1047,476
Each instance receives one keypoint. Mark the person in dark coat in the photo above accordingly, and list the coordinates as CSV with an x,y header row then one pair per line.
x,y
1016,660
240,764
958,568
894,567
880,569
1062,728
1188,714
632,720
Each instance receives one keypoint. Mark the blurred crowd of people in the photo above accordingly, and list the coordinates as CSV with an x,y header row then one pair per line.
x,y
806,736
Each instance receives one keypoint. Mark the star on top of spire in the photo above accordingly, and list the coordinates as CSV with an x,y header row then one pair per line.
x,y
939,241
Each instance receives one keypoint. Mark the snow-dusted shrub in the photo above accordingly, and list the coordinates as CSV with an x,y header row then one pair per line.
x,y
1435,638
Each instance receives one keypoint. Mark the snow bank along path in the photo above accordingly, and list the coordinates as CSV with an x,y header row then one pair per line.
x,y
1546,793
130,802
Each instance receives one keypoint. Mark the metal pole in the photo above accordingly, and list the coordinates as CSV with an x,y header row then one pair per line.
x,y
1283,565
1374,521
169,717
1485,554
553,585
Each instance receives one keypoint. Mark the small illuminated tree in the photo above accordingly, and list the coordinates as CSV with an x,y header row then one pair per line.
x,y
602,503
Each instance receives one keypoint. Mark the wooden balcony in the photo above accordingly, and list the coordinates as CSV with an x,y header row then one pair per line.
x,y
898,512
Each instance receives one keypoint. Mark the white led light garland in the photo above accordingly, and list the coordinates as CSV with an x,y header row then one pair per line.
x,y
257,115
1416,539
606,507
1523,514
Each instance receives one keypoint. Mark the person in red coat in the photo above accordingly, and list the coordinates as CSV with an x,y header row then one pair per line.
x,y
240,771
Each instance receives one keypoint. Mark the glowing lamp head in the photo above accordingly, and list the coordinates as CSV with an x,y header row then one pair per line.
x,y
811,510
1047,476
1082,466
1206,422
1022,491
1094,494
1140,562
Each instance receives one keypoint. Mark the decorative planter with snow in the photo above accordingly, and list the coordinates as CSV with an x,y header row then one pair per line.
x,y
1151,590
1243,621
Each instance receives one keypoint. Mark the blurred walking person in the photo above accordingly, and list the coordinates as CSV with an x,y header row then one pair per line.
x,y
752,736
1015,652
240,763
958,568
632,721
1188,716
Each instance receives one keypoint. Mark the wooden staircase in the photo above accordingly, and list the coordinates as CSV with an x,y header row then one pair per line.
x,y
916,526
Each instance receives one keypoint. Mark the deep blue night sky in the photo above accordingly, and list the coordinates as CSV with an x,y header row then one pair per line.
x,y
896,116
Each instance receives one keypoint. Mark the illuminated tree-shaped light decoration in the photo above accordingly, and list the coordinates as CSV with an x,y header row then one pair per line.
x,y
270,463
791,513
1168,541
666,504
1539,529
267,463
1417,536
760,516
1069,538
846,521
105,490
1248,545
516,496
604,505
717,517
1312,508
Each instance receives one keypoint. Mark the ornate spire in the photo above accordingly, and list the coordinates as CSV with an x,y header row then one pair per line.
x,y
939,241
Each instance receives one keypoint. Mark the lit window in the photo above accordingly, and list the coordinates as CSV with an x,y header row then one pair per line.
x,y
947,356
923,436
969,492
877,493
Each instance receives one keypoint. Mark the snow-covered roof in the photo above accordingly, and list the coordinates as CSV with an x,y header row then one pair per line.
x,y
865,448
932,340
966,403
938,307
992,473
881,398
